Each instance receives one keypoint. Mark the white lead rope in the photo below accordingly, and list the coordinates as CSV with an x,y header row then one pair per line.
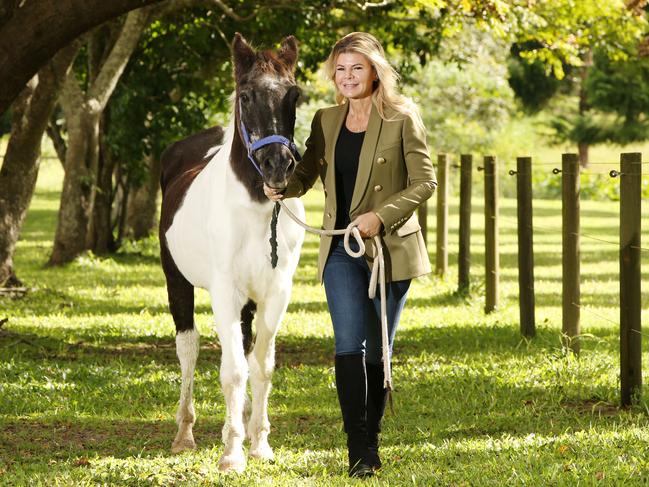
x,y
378,273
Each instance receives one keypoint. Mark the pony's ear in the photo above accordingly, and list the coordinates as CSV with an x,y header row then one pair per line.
x,y
244,56
288,51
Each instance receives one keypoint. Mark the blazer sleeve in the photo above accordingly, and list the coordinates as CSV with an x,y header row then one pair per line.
x,y
421,176
307,170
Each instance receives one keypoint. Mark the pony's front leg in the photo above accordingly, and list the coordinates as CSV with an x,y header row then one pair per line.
x,y
262,362
234,374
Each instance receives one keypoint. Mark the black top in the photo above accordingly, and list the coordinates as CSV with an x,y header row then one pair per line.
x,y
348,151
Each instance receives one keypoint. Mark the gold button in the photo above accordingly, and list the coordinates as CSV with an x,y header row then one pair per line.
x,y
380,160
321,161
378,187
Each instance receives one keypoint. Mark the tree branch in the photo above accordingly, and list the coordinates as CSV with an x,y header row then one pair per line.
x,y
230,13
71,94
54,133
7,9
112,69
31,36
368,5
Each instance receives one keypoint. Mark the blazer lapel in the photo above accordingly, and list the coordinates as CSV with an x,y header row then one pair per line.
x,y
367,157
331,129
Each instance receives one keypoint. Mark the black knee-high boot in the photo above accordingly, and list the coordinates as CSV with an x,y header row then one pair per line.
x,y
352,395
376,399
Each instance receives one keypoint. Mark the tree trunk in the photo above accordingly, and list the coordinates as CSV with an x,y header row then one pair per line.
x,y
83,113
78,183
583,153
22,159
54,133
34,31
101,239
584,106
143,202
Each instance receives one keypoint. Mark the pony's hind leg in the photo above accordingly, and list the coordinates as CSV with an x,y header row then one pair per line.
x,y
187,350
181,304
262,362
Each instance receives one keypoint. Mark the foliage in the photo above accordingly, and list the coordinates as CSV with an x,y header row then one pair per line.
x,y
621,88
571,125
533,86
89,378
552,55
562,31
464,97
180,79
175,81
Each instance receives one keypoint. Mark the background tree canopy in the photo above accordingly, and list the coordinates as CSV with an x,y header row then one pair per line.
x,y
474,68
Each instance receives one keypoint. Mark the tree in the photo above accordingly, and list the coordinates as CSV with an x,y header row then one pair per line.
x,y
83,111
562,36
173,88
32,32
169,90
621,88
38,27
31,112
463,95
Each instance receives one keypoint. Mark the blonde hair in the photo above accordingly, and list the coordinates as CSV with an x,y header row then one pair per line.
x,y
386,94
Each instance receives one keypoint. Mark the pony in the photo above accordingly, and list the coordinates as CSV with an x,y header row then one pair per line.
x,y
215,227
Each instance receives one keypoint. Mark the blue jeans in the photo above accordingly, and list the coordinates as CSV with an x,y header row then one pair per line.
x,y
356,318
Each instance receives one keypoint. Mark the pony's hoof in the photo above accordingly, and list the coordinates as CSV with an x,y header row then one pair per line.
x,y
181,445
232,463
263,452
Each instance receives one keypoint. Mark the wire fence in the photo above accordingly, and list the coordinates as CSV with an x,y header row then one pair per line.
x,y
571,254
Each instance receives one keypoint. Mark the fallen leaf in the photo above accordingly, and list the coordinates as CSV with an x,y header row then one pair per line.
x,y
81,462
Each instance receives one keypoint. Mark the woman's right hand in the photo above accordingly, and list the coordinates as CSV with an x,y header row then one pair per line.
x,y
272,193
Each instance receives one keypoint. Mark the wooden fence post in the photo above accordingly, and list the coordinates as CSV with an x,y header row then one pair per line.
x,y
525,246
571,255
441,255
491,233
630,297
464,254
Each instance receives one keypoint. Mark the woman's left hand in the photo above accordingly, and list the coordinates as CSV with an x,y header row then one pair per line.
x,y
369,224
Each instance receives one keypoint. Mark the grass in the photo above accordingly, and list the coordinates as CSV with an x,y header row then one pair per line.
x,y
89,380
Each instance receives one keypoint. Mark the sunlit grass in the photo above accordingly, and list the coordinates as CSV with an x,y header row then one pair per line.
x,y
89,379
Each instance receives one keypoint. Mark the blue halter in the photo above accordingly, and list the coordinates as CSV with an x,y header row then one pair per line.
x,y
271,139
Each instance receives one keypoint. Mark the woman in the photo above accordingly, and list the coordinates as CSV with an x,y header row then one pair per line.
x,y
370,152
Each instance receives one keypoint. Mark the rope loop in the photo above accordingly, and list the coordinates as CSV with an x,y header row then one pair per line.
x,y
352,229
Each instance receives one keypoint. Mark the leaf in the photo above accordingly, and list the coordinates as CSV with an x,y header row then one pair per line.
x,y
81,462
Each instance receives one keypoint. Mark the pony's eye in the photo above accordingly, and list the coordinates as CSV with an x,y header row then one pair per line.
x,y
244,98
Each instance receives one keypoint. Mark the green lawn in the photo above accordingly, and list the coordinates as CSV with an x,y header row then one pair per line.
x,y
89,380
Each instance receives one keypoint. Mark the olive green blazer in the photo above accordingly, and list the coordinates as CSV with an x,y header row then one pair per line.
x,y
395,175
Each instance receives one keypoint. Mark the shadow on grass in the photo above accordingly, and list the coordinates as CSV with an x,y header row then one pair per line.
x,y
443,391
433,410
57,438
292,350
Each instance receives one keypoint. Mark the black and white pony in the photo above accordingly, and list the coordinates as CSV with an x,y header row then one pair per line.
x,y
215,228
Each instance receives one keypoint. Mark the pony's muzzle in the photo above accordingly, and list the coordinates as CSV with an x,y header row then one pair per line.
x,y
277,165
